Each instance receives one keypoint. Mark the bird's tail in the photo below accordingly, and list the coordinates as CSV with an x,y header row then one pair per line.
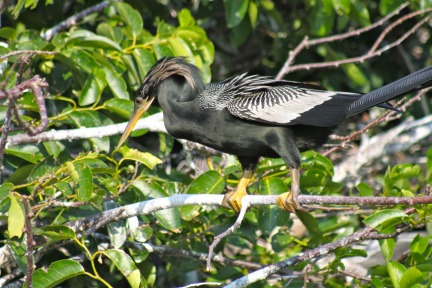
x,y
410,83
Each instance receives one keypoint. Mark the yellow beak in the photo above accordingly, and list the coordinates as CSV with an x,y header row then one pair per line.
x,y
136,115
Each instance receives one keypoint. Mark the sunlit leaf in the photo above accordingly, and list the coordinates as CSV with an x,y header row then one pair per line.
x,y
56,232
169,218
15,218
396,271
131,17
126,266
57,272
381,217
85,183
29,152
143,157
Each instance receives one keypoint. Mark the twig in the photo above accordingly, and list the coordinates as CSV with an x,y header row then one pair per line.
x,y
29,241
5,132
37,52
354,275
245,205
50,33
126,184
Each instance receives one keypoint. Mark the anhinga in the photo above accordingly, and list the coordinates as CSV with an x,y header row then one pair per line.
x,y
254,116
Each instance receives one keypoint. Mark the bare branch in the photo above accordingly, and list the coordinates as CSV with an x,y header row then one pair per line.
x,y
29,242
373,52
50,33
34,52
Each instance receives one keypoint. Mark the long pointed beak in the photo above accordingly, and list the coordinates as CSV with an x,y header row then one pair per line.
x,y
136,115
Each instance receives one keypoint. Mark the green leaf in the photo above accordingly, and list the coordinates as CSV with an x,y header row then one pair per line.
x,y
180,48
121,107
346,252
5,188
18,7
168,218
419,244
85,183
58,272
90,91
29,152
387,248
364,189
270,217
126,266
144,60
322,18
56,232
411,277
280,241
15,218
356,74
116,83
116,230
379,218
85,38
162,50
211,182
185,18
253,13
388,6
131,17
342,6
395,270
54,148
235,11
19,249
360,13
143,157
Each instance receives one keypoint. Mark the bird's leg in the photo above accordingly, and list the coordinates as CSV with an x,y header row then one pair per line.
x,y
288,201
233,199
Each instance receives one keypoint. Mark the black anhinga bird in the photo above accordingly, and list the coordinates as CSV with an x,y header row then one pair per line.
x,y
254,116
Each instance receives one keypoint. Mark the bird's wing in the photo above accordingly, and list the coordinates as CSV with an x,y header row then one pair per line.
x,y
288,103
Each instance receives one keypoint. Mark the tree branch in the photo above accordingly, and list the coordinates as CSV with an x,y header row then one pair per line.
x,y
373,51
364,234
50,33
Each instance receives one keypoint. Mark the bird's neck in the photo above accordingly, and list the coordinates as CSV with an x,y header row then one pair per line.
x,y
174,93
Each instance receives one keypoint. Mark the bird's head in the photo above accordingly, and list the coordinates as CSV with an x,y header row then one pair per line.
x,y
164,68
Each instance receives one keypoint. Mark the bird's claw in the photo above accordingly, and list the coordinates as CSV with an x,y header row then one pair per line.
x,y
288,202
233,199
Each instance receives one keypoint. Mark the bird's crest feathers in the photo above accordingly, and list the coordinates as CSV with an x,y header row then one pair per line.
x,y
172,66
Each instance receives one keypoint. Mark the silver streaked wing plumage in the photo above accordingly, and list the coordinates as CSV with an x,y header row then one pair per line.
x,y
279,105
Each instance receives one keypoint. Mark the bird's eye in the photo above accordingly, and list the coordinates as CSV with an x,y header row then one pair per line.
x,y
138,100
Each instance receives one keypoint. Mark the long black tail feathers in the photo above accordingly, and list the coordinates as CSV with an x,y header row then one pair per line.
x,y
413,82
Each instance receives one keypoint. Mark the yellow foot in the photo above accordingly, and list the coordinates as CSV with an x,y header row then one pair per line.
x,y
233,199
289,203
